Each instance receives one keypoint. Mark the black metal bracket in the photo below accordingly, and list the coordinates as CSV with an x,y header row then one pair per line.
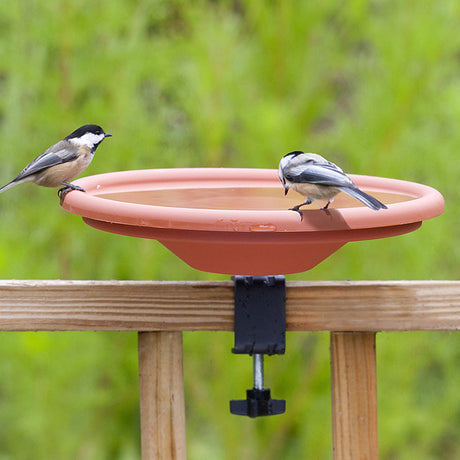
x,y
260,329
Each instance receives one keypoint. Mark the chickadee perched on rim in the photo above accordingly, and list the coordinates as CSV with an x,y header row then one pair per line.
x,y
315,178
63,161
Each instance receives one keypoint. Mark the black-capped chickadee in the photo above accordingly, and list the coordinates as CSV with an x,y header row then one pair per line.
x,y
315,178
63,161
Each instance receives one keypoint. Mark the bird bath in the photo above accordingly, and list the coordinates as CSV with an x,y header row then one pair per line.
x,y
236,221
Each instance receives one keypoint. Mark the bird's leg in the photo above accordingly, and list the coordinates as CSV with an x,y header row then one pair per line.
x,y
68,187
72,186
324,208
297,208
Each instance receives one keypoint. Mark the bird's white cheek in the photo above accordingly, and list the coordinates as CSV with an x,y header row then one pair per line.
x,y
88,139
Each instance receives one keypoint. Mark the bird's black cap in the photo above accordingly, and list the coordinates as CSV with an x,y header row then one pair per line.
x,y
294,153
95,129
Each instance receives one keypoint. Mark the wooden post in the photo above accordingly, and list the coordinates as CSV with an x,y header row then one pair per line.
x,y
161,382
354,396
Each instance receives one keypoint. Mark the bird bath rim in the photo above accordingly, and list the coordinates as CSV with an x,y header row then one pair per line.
x,y
245,241
422,202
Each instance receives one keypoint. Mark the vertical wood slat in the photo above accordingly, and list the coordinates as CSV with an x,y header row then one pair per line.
x,y
354,396
161,385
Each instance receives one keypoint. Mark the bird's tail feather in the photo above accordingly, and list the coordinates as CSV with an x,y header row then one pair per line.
x,y
368,200
9,185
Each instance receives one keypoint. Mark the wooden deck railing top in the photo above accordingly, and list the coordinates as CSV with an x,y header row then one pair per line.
x,y
208,306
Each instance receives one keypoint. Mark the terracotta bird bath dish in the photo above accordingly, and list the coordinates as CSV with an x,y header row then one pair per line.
x,y
236,221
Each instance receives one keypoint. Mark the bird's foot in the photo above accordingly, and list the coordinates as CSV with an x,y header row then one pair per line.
x,y
326,208
297,209
63,191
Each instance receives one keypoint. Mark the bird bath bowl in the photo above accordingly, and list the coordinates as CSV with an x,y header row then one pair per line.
x,y
236,221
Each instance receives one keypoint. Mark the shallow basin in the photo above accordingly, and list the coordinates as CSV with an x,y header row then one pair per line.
x,y
236,221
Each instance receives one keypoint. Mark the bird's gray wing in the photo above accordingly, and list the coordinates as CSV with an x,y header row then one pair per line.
x,y
321,174
55,155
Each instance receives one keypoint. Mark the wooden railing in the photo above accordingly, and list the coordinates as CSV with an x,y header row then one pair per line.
x,y
159,311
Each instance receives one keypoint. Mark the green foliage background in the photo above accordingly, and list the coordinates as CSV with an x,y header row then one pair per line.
x,y
372,85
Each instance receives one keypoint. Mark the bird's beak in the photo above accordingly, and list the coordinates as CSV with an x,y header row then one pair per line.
x,y
286,189
107,135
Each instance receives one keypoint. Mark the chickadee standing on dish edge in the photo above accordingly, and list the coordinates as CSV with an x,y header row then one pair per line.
x,y
63,161
315,178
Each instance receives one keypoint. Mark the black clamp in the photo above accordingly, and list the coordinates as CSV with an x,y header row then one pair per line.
x,y
260,329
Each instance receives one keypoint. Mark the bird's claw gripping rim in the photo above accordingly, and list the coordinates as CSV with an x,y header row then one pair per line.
x,y
63,191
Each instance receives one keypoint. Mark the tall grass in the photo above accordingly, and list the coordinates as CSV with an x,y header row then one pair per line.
x,y
374,86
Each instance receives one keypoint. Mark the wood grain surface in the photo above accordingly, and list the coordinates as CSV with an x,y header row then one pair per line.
x,y
161,388
354,396
208,306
